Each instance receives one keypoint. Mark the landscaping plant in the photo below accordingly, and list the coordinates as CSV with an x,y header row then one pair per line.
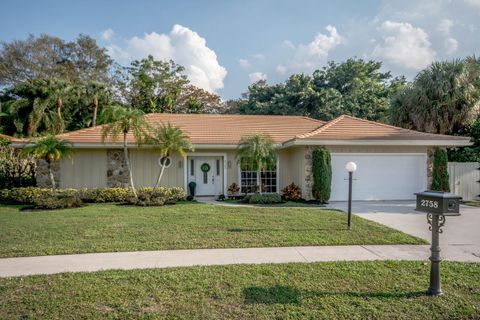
x,y
257,151
168,139
16,169
440,179
50,149
122,121
292,192
233,189
322,174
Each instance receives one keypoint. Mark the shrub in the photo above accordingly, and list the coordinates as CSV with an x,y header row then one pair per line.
x,y
107,195
221,197
58,201
266,198
233,189
292,192
158,197
322,174
23,195
16,169
440,179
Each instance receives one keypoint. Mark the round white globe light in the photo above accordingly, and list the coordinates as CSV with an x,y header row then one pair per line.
x,y
351,166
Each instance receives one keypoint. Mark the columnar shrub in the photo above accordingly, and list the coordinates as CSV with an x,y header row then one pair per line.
x,y
322,174
440,179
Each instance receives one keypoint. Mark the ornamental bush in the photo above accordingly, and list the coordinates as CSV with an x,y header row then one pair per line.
x,y
157,197
58,201
292,192
322,174
264,198
440,178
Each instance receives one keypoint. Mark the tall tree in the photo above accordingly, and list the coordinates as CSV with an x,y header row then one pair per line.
x,y
442,98
47,57
168,139
259,152
122,121
50,149
355,87
153,86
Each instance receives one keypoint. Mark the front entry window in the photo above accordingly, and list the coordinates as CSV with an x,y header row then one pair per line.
x,y
248,178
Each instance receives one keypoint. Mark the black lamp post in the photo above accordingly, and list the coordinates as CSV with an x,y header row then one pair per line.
x,y
351,168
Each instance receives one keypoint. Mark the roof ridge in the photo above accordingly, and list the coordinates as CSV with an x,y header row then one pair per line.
x,y
395,127
321,128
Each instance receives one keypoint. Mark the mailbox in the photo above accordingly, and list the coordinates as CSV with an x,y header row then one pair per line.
x,y
436,202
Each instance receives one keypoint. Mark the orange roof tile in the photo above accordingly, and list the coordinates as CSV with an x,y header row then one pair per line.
x,y
351,128
213,129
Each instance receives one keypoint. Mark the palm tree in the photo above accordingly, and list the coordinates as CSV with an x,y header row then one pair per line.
x,y
121,121
260,152
51,149
168,139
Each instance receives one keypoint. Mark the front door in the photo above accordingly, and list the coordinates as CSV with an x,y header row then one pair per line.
x,y
208,175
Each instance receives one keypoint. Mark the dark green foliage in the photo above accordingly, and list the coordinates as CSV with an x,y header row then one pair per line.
x,y
57,201
354,87
322,174
159,196
16,170
467,154
440,179
266,198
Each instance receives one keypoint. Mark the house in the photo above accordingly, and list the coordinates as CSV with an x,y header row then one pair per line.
x,y
393,163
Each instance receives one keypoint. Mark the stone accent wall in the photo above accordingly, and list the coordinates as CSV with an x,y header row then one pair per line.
x,y
308,183
43,176
117,171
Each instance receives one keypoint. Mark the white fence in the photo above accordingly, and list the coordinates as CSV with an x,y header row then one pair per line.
x,y
464,179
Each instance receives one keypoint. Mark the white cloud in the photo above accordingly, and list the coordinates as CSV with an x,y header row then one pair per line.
x,y
404,45
288,44
107,34
257,76
244,63
445,25
309,57
451,45
182,45
258,56
281,69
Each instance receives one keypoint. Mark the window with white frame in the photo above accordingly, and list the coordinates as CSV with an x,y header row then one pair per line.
x,y
248,179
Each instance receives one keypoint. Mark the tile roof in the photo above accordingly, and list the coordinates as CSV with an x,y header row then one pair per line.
x,y
351,128
215,129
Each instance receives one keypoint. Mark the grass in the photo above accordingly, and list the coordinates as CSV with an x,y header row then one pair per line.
x,y
286,204
473,203
333,290
111,227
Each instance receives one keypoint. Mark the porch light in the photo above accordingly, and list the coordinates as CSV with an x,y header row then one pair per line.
x,y
351,168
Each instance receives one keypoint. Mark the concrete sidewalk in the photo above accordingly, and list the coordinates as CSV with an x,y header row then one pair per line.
x,y
12,267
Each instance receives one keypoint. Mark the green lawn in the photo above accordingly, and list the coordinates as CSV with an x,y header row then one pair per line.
x,y
339,290
111,227
288,204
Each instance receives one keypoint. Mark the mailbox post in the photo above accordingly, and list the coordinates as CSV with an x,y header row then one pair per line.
x,y
437,205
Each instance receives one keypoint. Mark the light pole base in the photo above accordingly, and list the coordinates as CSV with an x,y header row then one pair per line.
x,y
434,292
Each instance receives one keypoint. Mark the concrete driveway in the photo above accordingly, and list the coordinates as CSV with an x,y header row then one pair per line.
x,y
462,233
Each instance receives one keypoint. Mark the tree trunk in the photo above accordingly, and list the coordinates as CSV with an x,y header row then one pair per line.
x,y
127,161
52,177
59,114
259,181
95,109
160,175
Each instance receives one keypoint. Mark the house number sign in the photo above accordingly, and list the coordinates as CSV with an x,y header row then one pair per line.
x,y
429,203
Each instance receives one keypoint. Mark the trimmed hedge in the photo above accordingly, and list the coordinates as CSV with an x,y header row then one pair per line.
x,y
322,174
264,198
60,201
44,198
440,178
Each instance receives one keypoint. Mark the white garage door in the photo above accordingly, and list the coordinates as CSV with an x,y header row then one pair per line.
x,y
379,176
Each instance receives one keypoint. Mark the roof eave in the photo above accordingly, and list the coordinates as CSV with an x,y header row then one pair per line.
x,y
429,142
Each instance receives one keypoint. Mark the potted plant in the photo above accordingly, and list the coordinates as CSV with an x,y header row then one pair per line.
x,y
191,186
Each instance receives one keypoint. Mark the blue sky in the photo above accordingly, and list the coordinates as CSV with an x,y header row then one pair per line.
x,y
225,45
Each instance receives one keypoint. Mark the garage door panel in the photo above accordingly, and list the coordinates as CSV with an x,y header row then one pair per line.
x,y
379,177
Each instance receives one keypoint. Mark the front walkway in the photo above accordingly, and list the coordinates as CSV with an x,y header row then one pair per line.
x,y
11,267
